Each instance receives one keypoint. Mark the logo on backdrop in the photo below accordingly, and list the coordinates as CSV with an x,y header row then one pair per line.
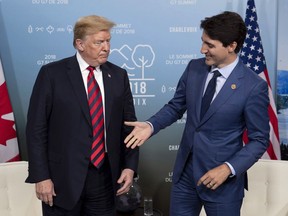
x,y
49,29
137,61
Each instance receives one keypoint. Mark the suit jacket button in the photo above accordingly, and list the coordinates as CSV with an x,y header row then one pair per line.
x,y
197,129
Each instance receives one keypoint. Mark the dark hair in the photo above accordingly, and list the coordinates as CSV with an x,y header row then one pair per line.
x,y
227,27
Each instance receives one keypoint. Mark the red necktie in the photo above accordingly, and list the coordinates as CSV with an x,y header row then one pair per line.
x,y
96,112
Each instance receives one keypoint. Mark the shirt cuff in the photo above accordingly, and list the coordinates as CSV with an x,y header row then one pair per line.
x,y
233,173
151,125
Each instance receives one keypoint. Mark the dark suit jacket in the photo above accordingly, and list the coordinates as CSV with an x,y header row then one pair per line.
x,y
59,131
217,138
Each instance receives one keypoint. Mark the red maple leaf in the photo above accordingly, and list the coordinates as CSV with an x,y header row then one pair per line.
x,y
7,131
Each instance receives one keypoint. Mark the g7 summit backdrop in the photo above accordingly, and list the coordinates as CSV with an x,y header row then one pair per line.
x,y
153,41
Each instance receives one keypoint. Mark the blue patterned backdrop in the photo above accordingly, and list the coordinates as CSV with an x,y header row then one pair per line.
x,y
153,40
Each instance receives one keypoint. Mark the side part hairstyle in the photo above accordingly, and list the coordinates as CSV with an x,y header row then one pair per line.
x,y
227,27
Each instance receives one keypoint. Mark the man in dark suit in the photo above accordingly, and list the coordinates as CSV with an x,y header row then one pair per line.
x,y
70,177
211,164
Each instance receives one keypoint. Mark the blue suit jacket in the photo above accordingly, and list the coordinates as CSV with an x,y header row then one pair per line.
x,y
59,129
217,138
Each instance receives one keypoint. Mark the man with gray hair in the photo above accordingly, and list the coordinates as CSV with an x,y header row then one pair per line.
x,y
75,128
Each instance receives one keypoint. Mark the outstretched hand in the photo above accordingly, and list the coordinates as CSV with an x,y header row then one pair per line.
x,y
141,132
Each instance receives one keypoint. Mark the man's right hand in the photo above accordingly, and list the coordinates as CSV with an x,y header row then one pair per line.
x,y
45,191
141,132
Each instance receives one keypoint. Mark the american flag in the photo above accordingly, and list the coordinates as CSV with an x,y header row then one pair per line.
x,y
252,54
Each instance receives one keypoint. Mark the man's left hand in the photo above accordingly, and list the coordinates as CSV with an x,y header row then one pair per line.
x,y
215,177
126,181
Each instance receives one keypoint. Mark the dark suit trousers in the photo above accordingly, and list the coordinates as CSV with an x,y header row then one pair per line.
x,y
97,198
185,200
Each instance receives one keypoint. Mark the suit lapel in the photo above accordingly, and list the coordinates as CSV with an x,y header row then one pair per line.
x,y
201,79
231,85
75,77
108,87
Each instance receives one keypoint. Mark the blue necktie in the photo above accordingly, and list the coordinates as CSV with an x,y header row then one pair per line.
x,y
209,93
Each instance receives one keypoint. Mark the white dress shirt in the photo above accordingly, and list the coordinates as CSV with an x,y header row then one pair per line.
x,y
225,73
99,79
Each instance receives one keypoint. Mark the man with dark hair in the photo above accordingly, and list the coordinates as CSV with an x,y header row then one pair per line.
x,y
222,98
75,128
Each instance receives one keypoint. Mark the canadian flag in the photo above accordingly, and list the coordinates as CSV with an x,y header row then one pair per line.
x,y
9,150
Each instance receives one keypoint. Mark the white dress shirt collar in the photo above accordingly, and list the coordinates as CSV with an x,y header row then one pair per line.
x,y
83,64
227,70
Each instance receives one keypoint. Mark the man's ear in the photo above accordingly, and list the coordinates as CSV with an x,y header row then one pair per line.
x,y
79,45
232,46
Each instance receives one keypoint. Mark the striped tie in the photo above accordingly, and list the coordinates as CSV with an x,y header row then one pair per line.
x,y
96,112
